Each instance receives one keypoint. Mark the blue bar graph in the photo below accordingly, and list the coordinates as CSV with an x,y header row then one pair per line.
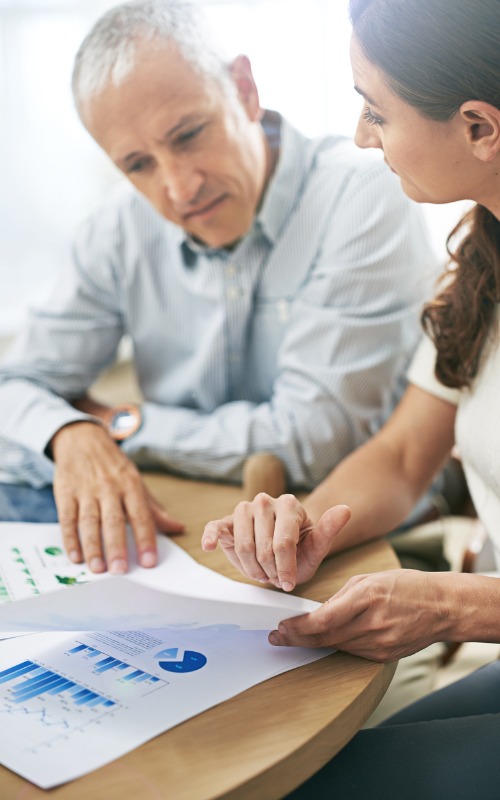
x,y
106,661
78,649
110,663
144,677
68,685
138,673
85,649
123,671
87,697
15,672
46,682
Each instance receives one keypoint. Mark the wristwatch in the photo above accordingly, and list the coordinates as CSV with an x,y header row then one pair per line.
x,y
123,421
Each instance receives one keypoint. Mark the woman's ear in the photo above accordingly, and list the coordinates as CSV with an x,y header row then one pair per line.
x,y
241,73
482,121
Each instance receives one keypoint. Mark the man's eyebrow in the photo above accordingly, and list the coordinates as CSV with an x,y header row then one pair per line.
x,y
186,120
363,94
122,162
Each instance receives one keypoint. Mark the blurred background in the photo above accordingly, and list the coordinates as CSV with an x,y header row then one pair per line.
x,y
51,172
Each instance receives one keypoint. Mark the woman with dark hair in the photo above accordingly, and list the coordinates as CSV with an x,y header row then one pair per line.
x,y
429,75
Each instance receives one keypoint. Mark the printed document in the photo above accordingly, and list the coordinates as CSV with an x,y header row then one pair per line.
x,y
118,660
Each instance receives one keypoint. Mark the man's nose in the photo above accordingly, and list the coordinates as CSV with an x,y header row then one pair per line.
x,y
182,182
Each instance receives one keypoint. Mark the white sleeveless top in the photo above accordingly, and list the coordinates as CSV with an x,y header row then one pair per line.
x,y
477,426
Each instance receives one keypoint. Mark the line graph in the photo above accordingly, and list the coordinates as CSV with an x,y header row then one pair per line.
x,y
41,715
39,705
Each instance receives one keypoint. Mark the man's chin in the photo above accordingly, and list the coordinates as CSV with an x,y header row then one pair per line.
x,y
217,239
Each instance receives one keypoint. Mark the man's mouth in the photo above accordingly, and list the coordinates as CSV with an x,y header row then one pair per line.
x,y
205,210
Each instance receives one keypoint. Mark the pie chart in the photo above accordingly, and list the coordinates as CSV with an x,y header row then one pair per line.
x,y
189,662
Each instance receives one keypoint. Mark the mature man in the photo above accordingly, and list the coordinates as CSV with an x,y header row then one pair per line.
x,y
270,285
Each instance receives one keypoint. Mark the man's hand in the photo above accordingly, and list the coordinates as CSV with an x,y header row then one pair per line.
x,y
383,616
273,540
98,490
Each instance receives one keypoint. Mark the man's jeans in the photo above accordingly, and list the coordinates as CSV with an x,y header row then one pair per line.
x,y
19,503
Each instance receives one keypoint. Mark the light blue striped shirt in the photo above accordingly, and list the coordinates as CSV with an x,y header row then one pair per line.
x,y
296,342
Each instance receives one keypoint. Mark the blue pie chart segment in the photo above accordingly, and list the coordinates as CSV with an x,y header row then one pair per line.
x,y
170,653
190,663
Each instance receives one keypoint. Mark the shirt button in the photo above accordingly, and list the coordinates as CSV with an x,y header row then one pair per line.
x,y
233,292
231,270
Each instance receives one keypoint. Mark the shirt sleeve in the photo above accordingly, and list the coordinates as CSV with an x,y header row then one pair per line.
x,y
422,373
352,329
64,346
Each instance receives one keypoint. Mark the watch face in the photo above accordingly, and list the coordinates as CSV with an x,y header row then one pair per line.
x,y
124,422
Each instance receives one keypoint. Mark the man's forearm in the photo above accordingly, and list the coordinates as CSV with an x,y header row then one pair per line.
x,y
30,415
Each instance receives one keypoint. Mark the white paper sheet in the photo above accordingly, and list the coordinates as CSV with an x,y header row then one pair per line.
x,y
72,702
154,648
38,549
33,562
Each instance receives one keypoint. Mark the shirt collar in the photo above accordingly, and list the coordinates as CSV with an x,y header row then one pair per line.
x,y
281,193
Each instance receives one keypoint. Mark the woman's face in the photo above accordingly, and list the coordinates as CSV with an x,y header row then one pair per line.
x,y
431,158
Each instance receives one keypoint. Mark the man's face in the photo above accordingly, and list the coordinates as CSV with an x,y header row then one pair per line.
x,y
197,154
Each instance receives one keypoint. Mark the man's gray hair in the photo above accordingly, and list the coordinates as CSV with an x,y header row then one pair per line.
x,y
108,53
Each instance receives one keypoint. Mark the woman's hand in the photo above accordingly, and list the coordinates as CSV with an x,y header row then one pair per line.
x,y
273,539
383,616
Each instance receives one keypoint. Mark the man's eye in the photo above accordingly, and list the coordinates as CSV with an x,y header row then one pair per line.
x,y
188,136
138,166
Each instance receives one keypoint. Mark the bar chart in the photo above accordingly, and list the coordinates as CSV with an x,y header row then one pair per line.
x,y
41,682
116,677
39,704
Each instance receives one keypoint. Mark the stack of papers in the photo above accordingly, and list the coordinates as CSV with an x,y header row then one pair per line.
x,y
88,673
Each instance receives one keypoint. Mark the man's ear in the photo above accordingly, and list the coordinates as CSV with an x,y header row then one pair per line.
x,y
482,122
241,73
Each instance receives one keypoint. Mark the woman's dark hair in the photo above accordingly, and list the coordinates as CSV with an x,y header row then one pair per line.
x,y
436,55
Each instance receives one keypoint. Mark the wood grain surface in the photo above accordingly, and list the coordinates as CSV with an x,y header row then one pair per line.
x,y
267,740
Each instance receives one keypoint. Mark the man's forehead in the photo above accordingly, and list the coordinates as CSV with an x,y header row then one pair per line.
x,y
162,63
157,67
162,83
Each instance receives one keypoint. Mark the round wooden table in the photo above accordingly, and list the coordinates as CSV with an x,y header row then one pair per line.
x,y
266,741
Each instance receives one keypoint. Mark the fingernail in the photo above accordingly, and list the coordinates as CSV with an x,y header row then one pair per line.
x,y
282,629
118,566
75,556
148,560
263,580
97,565
273,638
287,586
